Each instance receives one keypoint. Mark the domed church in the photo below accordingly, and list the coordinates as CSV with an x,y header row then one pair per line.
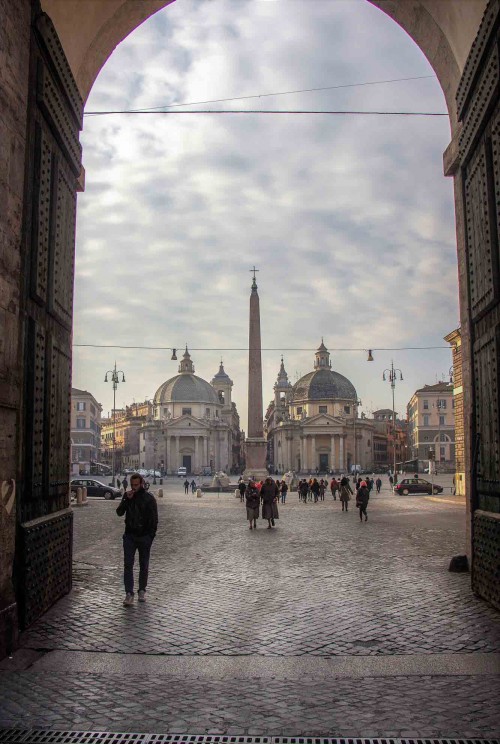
x,y
195,424
313,426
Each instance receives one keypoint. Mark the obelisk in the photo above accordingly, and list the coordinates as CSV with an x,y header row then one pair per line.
x,y
255,444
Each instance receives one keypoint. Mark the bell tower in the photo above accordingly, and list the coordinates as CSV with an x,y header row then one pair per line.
x,y
282,389
223,386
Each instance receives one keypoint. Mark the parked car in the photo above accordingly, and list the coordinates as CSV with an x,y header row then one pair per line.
x,y
94,488
181,472
416,485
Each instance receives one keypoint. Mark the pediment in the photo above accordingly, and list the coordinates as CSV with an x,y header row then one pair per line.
x,y
324,419
183,421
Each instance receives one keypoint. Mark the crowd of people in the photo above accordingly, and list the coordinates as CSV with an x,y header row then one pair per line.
x,y
270,492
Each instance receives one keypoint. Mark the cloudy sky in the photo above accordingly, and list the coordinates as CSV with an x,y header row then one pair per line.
x,y
348,218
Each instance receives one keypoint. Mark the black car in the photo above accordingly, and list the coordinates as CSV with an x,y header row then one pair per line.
x,y
94,488
416,485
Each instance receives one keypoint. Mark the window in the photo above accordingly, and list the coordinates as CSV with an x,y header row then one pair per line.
x,y
426,405
347,409
442,438
207,412
186,412
426,419
441,420
441,403
92,409
299,410
323,409
442,450
80,423
80,406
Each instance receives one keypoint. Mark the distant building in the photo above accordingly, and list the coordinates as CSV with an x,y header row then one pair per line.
x,y
389,440
314,425
194,424
455,340
431,425
85,432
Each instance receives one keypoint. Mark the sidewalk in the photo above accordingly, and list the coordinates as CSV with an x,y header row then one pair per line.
x,y
324,626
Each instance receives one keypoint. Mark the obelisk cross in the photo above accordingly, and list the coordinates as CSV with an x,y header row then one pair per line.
x,y
254,283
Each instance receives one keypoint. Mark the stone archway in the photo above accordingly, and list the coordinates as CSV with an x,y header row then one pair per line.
x,y
52,60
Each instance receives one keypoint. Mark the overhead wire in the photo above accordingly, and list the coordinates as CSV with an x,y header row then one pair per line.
x,y
160,109
246,348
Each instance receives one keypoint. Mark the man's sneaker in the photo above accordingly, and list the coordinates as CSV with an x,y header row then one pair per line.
x,y
129,600
142,595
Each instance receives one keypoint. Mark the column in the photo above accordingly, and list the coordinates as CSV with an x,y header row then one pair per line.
x,y
333,464
289,453
168,461
341,453
196,456
176,453
314,456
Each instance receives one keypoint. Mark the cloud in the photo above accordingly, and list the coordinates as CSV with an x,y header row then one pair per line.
x,y
349,219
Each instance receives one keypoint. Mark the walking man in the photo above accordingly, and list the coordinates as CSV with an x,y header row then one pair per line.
x,y
242,488
284,491
141,523
186,486
378,484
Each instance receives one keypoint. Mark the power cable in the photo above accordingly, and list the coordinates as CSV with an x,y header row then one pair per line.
x,y
265,95
278,113
246,348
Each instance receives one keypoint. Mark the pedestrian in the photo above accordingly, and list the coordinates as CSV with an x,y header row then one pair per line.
x,y
322,486
345,493
125,484
252,503
315,490
242,487
304,490
334,487
391,480
283,491
141,523
362,497
309,490
193,486
118,483
369,483
269,502
378,484
186,486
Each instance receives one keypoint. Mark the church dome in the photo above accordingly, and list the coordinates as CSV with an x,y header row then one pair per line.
x,y
323,383
186,387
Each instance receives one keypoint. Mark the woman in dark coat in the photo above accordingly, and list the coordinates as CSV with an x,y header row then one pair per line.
x,y
252,503
345,493
362,497
269,502
315,490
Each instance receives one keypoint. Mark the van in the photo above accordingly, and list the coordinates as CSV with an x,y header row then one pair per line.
x,y
181,472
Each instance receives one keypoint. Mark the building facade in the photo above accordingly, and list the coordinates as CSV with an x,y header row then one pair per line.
x,y
85,432
455,340
194,424
431,425
313,426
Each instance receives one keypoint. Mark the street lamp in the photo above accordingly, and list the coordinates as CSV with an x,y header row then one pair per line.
x,y
392,374
114,379
355,402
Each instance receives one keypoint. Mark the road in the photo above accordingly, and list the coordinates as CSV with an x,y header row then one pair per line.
x,y
324,626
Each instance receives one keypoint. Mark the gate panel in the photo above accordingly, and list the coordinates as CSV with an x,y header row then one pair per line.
x,y
478,109
55,111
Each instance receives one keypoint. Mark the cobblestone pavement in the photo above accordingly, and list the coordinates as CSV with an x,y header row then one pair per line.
x,y
321,584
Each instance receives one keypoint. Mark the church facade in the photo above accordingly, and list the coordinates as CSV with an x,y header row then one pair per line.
x,y
194,424
313,426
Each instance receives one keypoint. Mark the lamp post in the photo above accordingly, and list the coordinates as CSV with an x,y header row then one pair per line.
x,y
114,379
440,406
392,374
355,402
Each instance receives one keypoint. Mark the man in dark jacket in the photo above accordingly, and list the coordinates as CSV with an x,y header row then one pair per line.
x,y
141,523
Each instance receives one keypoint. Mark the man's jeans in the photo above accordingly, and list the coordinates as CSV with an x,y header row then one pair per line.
x,y
131,543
